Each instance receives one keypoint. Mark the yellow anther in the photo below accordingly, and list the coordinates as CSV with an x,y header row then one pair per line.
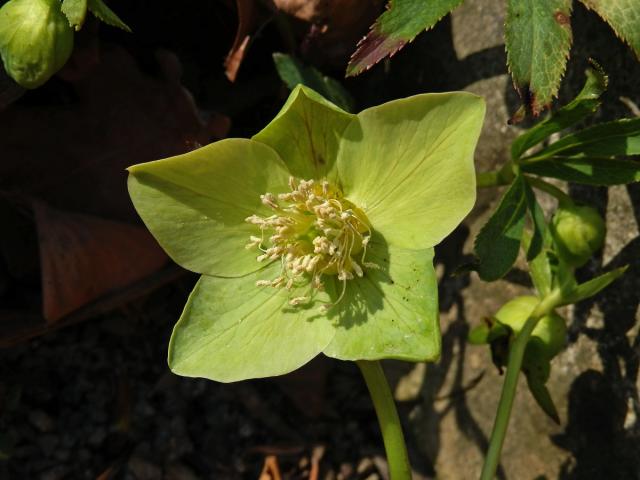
x,y
314,232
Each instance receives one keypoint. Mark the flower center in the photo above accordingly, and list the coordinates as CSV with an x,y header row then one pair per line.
x,y
313,231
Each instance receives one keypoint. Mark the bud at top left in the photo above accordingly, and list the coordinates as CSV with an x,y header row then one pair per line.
x,y
36,40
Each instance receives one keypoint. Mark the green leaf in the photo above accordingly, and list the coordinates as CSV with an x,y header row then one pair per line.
x,y
588,171
479,335
76,11
397,26
293,72
542,397
104,13
498,242
588,289
391,312
623,16
538,38
585,104
231,330
196,204
540,268
409,165
306,133
538,221
616,138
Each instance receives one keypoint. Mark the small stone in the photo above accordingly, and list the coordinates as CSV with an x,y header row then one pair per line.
x,y
48,444
346,470
364,466
97,437
144,470
178,471
56,473
40,420
330,475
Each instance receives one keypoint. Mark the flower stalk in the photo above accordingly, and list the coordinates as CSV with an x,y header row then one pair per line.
x,y
516,355
397,458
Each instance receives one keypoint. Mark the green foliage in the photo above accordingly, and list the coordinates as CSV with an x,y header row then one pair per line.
x,y
293,72
538,221
616,138
108,16
403,20
623,16
592,287
588,171
75,11
584,105
538,38
498,242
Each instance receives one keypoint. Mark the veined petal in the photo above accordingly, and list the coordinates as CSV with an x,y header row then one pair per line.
x,y
196,204
231,330
391,312
409,165
306,133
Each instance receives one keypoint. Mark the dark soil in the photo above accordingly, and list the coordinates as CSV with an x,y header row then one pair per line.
x,y
97,401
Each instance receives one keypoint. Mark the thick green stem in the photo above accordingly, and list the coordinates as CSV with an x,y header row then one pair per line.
x,y
516,353
399,468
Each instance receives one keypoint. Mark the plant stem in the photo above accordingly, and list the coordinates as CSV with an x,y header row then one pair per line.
x,y
516,353
495,178
399,468
552,190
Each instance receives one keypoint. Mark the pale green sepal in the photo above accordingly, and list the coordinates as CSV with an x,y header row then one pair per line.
x,y
391,312
409,165
196,204
231,330
306,133
75,11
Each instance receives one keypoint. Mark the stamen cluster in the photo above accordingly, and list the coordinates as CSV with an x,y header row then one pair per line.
x,y
314,231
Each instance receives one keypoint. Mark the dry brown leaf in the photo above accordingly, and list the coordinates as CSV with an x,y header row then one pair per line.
x,y
335,26
270,470
247,17
84,257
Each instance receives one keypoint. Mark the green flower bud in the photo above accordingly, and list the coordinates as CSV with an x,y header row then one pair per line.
x,y
36,40
549,336
578,232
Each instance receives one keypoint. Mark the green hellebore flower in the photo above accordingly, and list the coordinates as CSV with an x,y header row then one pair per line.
x,y
578,232
316,235
35,40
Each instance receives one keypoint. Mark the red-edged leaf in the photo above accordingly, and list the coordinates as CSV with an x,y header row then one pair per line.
x,y
403,20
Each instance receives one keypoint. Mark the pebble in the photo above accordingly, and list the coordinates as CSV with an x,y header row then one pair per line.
x,y
144,470
41,421
177,471
56,473
364,466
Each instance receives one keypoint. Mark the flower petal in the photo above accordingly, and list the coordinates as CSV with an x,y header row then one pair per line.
x,y
195,204
409,164
391,312
306,133
231,330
